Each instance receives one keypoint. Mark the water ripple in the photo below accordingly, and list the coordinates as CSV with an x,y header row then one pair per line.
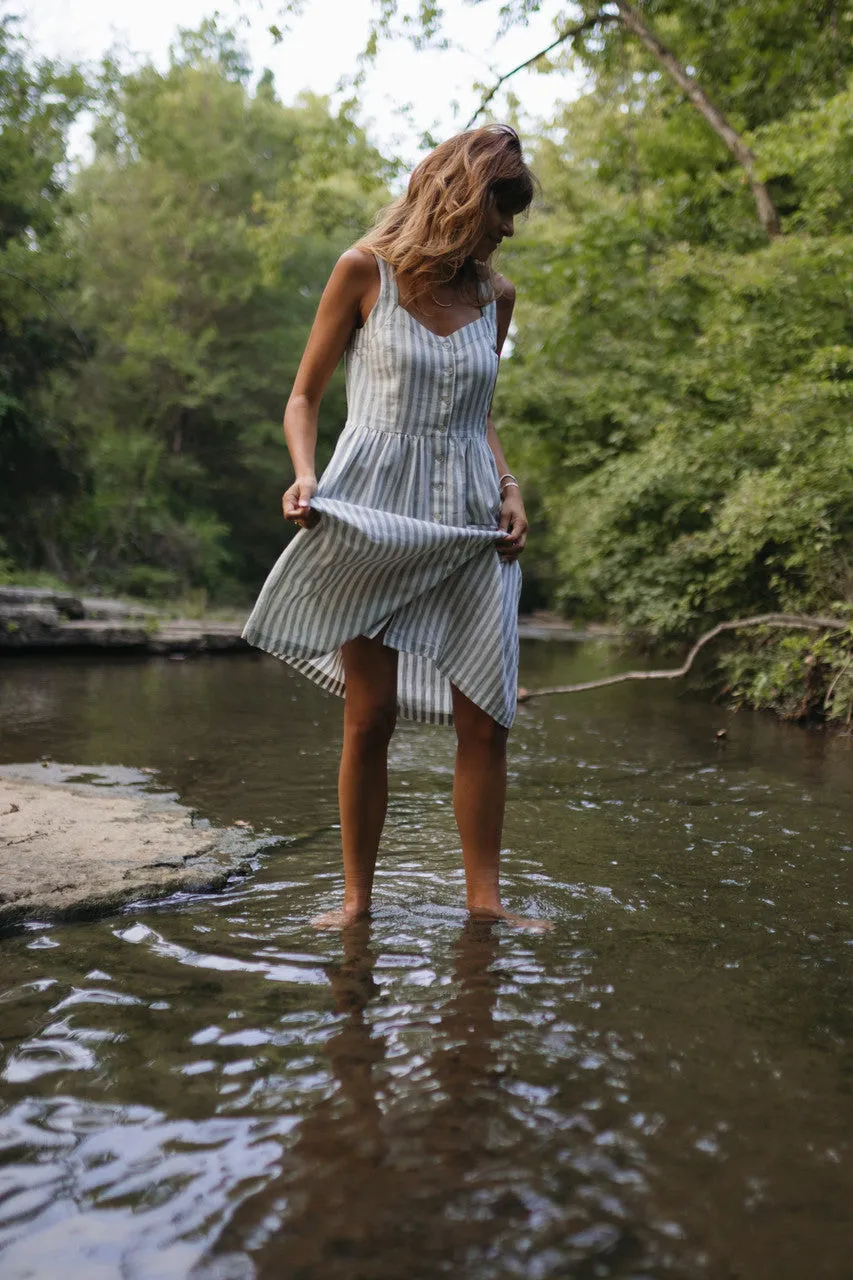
x,y
206,1089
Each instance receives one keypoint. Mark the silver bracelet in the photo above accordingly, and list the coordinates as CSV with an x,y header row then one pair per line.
x,y
512,484
506,476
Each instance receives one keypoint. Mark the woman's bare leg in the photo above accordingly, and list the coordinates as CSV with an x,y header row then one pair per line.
x,y
370,713
479,799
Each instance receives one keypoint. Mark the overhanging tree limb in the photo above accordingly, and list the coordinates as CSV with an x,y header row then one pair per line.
x,y
802,621
767,214
561,39
628,16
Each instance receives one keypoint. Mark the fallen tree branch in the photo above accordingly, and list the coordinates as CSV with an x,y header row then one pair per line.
x,y
801,621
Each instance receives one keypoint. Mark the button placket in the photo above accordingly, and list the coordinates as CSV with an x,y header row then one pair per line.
x,y
445,407
446,390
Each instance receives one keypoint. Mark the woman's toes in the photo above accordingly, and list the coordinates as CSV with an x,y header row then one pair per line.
x,y
340,918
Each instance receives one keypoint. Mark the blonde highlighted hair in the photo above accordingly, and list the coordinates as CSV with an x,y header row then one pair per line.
x,y
430,231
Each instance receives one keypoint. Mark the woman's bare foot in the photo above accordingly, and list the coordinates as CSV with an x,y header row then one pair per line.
x,y
342,918
508,917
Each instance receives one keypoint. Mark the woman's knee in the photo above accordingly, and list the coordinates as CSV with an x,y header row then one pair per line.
x,y
370,713
478,730
370,724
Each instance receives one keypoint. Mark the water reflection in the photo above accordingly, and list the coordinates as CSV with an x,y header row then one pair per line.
x,y
418,1160
395,1171
659,1089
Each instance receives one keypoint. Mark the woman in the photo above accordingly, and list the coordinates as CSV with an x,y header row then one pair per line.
x,y
400,592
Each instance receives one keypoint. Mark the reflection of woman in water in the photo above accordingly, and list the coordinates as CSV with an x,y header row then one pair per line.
x,y
366,1188
400,592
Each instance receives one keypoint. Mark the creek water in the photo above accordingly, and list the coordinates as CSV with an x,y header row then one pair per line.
x,y
658,1088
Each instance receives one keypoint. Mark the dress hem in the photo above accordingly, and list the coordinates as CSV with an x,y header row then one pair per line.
x,y
302,662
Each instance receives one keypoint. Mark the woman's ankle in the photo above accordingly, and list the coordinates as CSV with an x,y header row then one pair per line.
x,y
357,902
484,904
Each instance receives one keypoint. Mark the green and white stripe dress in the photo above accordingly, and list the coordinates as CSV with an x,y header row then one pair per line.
x,y
409,506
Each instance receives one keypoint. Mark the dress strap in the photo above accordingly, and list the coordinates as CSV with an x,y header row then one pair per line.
x,y
388,285
488,309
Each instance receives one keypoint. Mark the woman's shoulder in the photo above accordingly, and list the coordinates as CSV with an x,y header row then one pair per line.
x,y
357,266
504,292
354,283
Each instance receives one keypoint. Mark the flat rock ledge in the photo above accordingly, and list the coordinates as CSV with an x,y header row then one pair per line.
x,y
69,851
34,619
38,620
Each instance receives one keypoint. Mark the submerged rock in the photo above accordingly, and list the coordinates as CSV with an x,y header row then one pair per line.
x,y
75,850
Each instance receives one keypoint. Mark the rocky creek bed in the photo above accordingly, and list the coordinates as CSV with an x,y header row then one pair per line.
x,y
70,848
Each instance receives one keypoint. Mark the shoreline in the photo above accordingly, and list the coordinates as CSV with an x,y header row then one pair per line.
x,y
36,620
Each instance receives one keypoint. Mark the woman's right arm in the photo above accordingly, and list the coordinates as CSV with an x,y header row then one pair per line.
x,y
346,299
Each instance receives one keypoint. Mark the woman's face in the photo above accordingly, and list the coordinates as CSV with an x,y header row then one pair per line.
x,y
497,224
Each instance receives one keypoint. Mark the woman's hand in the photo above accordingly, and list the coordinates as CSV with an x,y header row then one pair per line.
x,y
514,521
295,500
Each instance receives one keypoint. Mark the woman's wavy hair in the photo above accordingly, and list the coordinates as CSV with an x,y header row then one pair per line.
x,y
429,233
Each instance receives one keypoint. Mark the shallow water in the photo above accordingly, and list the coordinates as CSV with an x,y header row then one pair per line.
x,y
660,1088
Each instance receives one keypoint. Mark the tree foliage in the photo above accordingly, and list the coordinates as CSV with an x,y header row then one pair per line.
x,y
206,226
681,392
39,456
678,397
200,235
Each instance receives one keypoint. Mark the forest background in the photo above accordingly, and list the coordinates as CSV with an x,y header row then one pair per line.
x,y
678,401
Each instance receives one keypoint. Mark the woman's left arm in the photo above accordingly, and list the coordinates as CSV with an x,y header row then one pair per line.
x,y
513,516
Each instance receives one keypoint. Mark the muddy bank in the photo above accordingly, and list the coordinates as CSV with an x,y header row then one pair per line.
x,y
68,850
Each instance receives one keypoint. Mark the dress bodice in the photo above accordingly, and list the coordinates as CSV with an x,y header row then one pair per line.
x,y
405,379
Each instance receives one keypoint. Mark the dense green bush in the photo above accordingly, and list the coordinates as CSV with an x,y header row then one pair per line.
x,y
680,395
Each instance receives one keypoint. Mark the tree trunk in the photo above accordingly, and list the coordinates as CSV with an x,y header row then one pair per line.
x,y
767,214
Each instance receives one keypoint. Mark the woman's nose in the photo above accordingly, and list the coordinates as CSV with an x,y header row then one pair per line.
x,y
508,226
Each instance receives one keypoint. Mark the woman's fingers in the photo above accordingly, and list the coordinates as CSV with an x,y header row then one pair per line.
x,y
294,510
511,547
295,505
304,517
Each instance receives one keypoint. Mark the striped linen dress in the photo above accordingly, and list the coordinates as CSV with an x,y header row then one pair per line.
x,y
409,507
